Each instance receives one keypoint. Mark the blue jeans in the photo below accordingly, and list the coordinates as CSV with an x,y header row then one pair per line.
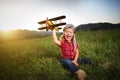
x,y
67,63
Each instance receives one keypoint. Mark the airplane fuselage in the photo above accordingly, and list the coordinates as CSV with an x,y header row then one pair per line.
x,y
50,25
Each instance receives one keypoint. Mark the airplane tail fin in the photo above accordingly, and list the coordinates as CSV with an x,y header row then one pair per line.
x,y
56,28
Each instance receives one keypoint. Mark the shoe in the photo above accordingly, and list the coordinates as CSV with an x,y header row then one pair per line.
x,y
84,60
81,74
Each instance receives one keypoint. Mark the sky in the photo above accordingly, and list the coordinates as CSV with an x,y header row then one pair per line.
x,y
25,14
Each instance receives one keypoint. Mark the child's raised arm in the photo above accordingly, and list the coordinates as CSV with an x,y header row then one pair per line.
x,y
55,39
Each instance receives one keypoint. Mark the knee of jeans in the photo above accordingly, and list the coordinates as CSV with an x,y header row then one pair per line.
x,y
69,62
66,61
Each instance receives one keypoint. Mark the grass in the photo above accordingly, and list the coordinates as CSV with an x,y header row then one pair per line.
x,y
39,58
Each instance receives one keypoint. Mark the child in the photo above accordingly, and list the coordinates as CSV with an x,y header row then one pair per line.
x,y
69,50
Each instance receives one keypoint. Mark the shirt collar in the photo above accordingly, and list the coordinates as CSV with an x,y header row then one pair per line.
x,y
67,41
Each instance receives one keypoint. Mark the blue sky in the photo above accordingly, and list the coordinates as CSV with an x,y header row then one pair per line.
x,y
24,14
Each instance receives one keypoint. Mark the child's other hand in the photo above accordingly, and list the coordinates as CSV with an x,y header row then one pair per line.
x,y
75,63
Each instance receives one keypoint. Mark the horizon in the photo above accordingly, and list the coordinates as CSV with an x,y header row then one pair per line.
x,y
25,14
61,30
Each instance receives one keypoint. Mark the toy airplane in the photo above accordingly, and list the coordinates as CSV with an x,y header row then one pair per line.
x,y
50,25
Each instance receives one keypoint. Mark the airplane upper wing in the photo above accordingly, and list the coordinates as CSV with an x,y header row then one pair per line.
x,y
57,18
52,19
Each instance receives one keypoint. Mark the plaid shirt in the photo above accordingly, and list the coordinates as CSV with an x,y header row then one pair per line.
x,y
67,49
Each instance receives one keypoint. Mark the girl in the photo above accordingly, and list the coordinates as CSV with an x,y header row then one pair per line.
x,y
69,50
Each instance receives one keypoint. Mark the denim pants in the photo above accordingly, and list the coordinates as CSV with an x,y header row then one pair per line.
x,y
67,63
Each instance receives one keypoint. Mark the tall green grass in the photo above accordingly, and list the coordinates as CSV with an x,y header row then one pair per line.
x,y
102,47
39,58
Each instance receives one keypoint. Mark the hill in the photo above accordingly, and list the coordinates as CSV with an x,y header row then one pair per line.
x,y
21,34
98,26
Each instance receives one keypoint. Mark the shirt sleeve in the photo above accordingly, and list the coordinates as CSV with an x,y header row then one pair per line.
x,y
60,44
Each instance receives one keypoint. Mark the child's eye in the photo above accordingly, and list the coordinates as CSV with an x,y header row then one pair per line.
x,y
70,32
67,31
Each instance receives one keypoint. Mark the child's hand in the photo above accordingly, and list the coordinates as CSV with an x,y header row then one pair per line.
x,y
75,62
54,30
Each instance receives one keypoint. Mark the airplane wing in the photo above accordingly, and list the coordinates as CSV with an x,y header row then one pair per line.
x,y
57,18
59,28
56,26
42,28
59,24
52,19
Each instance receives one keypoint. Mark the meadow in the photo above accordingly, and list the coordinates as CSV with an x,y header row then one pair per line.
x,y
39,58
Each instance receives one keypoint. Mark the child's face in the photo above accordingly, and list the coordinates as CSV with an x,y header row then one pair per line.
x,y
69,33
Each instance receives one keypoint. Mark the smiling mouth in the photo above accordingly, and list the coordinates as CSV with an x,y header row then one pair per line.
x,y
68,36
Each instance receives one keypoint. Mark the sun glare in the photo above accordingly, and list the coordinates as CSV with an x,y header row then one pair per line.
x,y
6,32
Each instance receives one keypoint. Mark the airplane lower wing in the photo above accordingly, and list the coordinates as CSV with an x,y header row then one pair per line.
x,y
54,26
41,28
59,24
59,28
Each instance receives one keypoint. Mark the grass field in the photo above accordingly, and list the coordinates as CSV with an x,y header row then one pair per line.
x,y
39,58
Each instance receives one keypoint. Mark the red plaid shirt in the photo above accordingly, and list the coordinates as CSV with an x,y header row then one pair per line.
x,y
67,49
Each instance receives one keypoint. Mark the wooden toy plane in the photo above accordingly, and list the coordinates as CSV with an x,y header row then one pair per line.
x,y
50,25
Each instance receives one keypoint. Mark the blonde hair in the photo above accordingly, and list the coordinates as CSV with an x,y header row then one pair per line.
x,y
74,38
